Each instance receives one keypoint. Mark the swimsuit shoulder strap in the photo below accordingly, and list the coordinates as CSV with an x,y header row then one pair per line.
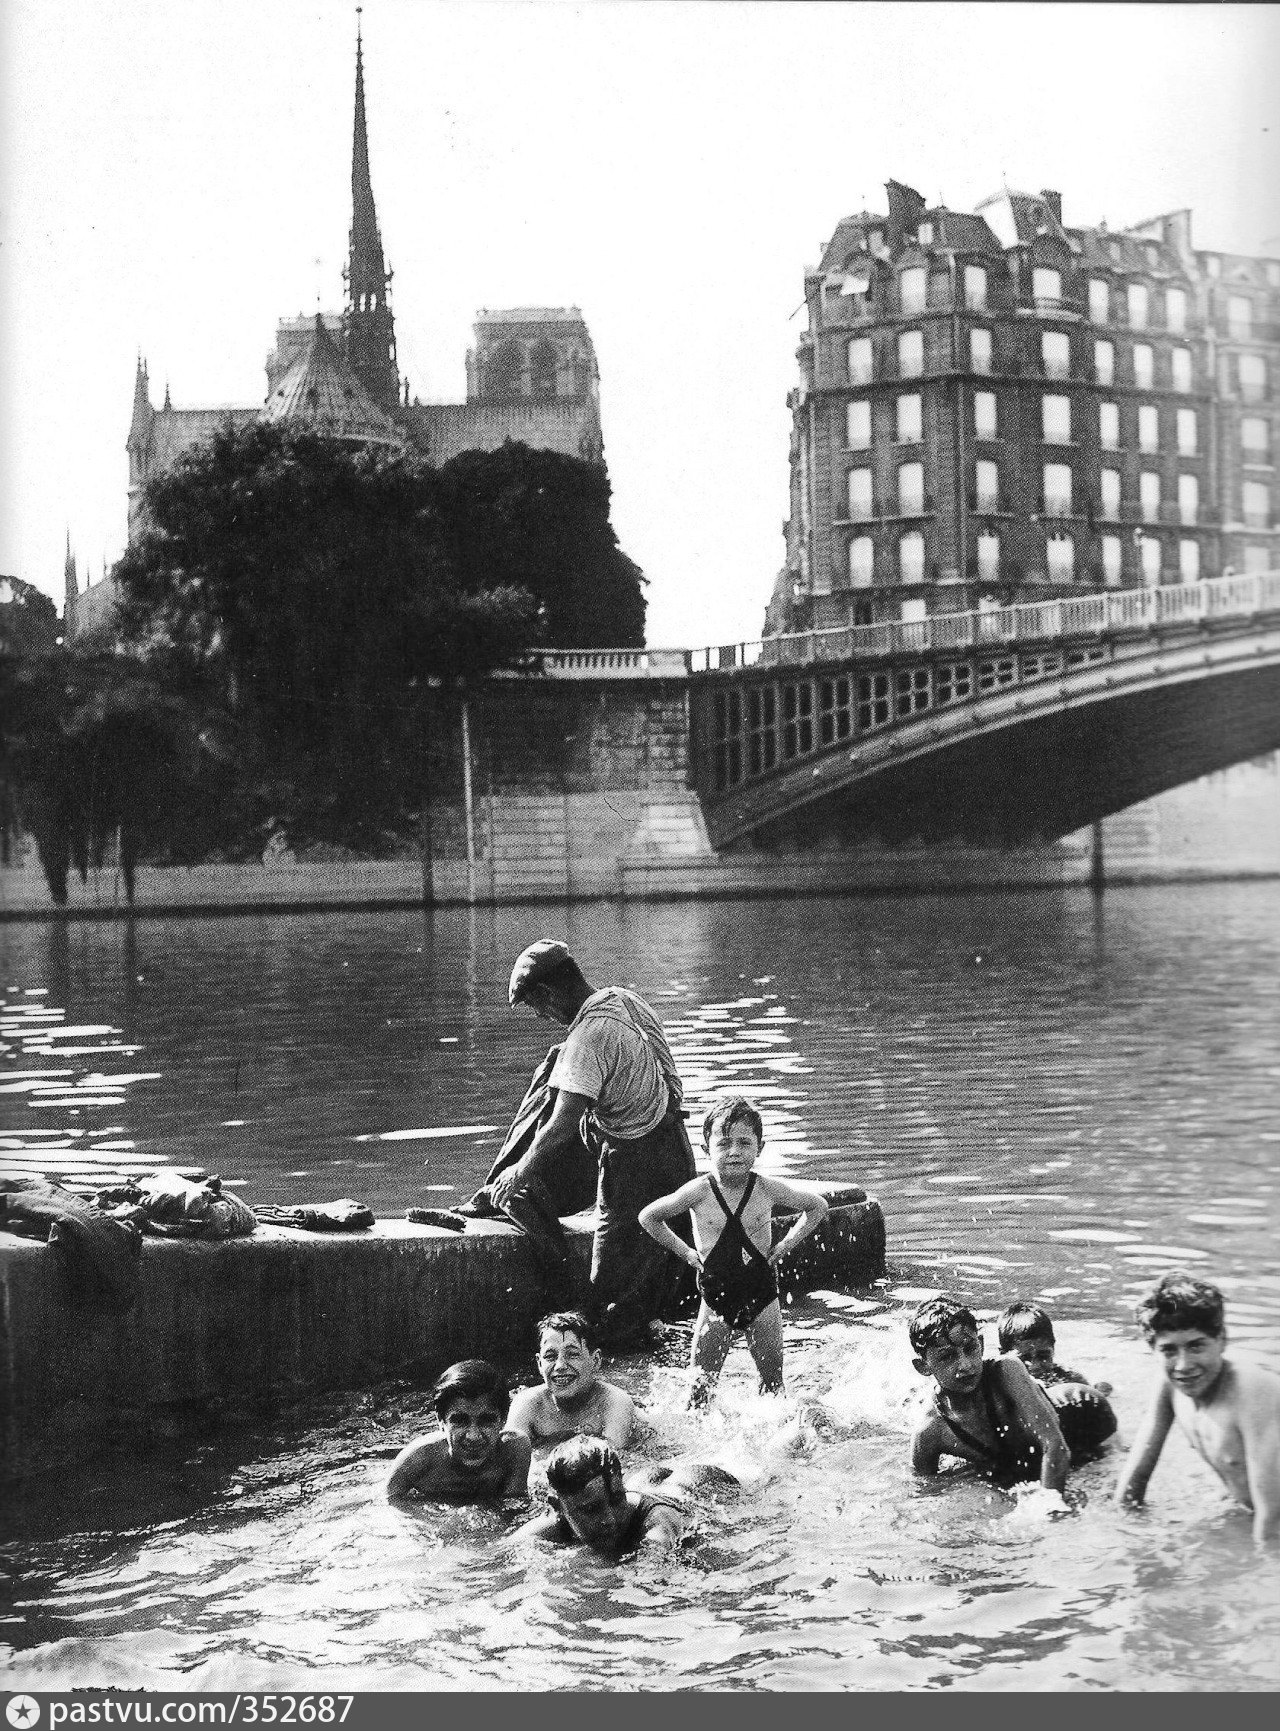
x,y
733,1214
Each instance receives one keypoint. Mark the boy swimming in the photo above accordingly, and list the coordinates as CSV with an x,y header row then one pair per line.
x,y
574,1399
472,1458
1025,1331
733,1249
990,1412
1229,1412
593,1506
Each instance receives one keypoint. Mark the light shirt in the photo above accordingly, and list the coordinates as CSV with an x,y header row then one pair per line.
x,y
617,1055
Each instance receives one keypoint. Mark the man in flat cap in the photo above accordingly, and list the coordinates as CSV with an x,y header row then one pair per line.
x,y
616,1077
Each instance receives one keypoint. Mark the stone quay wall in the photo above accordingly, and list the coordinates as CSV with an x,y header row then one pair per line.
x,y
285,1313
580,788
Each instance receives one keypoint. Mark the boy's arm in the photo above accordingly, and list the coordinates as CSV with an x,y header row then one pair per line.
x,y
926,1451
663,1529
519,1452
619,1416
1260,1434
524,1407
541,1527
809,1203
1034,1412
410,1464
1141,1462
655,1215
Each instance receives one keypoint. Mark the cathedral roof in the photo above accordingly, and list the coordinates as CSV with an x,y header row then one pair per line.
x,y
319,391
445,430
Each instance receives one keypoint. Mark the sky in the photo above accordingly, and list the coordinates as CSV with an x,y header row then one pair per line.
x,y
177,178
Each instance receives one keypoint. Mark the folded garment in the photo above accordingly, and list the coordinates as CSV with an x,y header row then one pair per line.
x,y
100,1256
179,1207
437,1217
341,1216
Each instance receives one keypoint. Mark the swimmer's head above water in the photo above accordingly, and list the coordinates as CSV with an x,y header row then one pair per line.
x,y
472,1400
1026,1329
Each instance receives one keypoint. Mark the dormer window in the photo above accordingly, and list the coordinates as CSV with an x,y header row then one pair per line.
x,y
924,234
1046,285
1153,257
912,287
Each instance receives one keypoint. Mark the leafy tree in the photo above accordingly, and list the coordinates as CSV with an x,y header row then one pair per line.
x,y
313,584
540,520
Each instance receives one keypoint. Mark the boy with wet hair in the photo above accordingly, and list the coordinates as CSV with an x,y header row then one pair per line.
x,y
1025,1331
990,1412
1229,1412
591,1505
733,1250
472,1458
574,1399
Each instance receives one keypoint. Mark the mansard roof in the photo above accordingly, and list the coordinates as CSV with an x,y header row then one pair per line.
x,y
445,430
319,391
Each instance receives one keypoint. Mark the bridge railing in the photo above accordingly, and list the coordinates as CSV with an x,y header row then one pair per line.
x,y
1072,616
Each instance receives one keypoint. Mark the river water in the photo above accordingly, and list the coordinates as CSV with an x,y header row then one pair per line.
x,y
1052,1096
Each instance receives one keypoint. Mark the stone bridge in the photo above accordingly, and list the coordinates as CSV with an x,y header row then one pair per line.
x,y
1001,728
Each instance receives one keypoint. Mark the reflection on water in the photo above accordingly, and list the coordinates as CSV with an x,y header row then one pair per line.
x,y
1050,1096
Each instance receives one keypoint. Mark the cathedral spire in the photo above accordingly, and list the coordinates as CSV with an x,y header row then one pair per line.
x,y
369,328
71,584
140,425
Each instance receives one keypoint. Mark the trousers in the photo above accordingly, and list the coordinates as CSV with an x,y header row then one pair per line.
x,y
633,1279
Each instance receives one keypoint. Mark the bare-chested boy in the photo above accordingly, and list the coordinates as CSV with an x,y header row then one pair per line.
x,y
592,1505
574,1399
733,1249
472,1458
990,1412
1229,1412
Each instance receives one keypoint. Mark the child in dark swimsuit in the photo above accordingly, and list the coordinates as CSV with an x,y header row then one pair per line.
x,y
989,1412
1084,1412
733,1249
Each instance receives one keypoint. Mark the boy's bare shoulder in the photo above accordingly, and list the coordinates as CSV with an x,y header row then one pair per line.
x,y
1254,1386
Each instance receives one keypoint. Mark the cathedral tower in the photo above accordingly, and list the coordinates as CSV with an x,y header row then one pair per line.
x,y
368,326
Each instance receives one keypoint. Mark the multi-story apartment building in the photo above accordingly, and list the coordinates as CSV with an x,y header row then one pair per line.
x,y
994,407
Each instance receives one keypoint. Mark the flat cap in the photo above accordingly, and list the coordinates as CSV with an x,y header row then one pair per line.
x,y
535,964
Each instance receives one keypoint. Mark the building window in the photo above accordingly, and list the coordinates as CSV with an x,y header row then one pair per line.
x,y
1057,489
1055,419
1061,554
910,489
1109,426
975,287
1046,286
1188,499
910,354
1153,256
980,349
1148,427
1112,561
857,425
1213,266
1104,363
1256,560
988,485
911,557
912,287
1149,495
1144,371
860,361
1239,316
1055,354
1175,309
911,613
862,562
1186,432
1099,301
1113,247
1182,369
1256,496
1189,561
1273,274
860,495
1253,378
1255,436
909,421
1150,546
543,365
1138,306
988,558
984,414
1110,480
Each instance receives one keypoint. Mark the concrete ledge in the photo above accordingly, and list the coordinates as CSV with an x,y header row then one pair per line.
x,y
286,1312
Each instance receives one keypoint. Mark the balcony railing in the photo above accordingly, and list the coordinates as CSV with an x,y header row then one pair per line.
x,y
1083,615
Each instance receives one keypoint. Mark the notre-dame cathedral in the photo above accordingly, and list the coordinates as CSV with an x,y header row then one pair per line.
x,y
531,377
